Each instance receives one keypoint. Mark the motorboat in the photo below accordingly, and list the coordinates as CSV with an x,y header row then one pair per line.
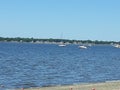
x,y
117,45
62,45
82,47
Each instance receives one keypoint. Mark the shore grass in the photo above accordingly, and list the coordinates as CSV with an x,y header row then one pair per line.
x,y
111,85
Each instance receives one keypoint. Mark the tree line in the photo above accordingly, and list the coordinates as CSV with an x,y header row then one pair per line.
x,y
19,39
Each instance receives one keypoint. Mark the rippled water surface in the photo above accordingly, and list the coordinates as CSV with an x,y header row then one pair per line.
x,y
37,65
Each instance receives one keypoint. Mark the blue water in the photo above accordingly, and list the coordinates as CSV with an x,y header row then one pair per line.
x,y
37,65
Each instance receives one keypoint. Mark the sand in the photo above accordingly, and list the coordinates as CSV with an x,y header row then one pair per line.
x,y
110,85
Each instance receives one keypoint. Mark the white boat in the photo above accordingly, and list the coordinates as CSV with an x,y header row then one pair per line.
x,y
62,44
83,47
117,45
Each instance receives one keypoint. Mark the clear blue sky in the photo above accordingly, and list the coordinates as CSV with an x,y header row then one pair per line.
x,y
76,19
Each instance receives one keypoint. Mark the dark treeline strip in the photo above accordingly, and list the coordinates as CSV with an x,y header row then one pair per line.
x,y
19,39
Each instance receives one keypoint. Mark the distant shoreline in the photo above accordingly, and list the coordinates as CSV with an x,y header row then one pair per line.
x,y
54,41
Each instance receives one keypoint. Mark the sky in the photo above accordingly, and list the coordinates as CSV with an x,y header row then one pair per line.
x,y
74,19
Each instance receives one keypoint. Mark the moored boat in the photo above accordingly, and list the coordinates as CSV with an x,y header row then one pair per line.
x,y
82,47
117,45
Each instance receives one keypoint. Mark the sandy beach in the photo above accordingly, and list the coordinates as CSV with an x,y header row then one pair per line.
x,y
110,85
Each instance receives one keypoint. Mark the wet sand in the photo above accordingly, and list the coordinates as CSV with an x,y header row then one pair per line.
x,y
110,85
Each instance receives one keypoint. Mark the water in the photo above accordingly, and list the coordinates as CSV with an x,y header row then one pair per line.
x,y
37,65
